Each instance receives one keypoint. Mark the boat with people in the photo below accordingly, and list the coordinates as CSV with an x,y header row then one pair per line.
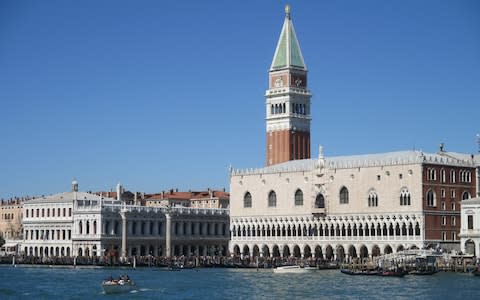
x,y
121,285
291,269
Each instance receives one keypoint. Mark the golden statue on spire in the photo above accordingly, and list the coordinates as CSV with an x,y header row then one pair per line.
x,y
287,11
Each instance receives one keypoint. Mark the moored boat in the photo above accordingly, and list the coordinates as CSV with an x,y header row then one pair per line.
x,y
392,273
122,285
290,269
359,272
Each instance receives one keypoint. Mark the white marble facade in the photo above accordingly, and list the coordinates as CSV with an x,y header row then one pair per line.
x,y
470,228
332,208
84,224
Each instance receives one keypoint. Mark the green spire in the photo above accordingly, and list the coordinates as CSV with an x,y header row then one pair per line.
x,y
288,52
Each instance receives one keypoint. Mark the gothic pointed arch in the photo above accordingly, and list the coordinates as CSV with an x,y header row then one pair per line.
x,y
320,201
298,197
247,200
272,199
343,195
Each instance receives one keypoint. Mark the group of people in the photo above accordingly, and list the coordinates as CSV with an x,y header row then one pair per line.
x,y
123,279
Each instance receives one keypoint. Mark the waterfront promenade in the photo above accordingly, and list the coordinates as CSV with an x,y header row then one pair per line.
x,y
406,260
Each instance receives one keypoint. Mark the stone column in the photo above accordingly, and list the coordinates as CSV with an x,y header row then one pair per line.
x,y
123,214
168,234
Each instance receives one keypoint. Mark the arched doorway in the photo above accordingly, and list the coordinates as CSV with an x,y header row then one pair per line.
x,y
286,251
329,253
352,252
256,251
400,248
236,250
266,251
375,250
387,250
307,252
296,251
363,252
470,247
246,251
318,252
276,251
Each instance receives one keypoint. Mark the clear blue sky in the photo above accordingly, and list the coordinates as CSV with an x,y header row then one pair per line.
x,y
169,94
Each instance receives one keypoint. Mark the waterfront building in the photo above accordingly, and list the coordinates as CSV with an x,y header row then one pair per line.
x,y
470,229
11,218
195,199
338,207
210,199
88,225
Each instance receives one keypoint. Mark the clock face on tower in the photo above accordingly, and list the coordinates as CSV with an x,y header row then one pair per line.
x,y
278,82
298,81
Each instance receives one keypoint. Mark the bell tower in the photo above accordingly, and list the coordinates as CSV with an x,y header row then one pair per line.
x,y
287,100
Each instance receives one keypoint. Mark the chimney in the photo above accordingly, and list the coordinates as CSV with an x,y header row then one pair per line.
x,y
119,192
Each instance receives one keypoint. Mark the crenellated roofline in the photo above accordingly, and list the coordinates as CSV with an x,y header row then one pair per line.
x,y
359,161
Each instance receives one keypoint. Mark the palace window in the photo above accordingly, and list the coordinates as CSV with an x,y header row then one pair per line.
x,y
454,221
431,199
444,221
272,199
453,178
320,201
405,197
372,199
343,195
247,200
470,222
442,193
443,176
431,174
465,195
299,197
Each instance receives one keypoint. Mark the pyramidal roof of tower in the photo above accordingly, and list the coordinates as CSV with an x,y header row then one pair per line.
x,y
288,53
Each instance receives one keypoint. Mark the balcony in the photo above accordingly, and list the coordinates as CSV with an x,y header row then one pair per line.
x,y
318,211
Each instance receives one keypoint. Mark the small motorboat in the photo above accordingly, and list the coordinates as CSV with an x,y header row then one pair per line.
x,y
122,285
290,269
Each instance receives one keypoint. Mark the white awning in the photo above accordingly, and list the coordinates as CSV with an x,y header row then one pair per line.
x,y
10,245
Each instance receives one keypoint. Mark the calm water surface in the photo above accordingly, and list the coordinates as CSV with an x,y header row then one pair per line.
x,y
84,283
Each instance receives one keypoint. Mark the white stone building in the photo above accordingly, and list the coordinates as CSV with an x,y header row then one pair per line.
x,y
470,229
88,225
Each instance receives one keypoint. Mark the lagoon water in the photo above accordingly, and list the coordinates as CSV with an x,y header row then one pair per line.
x,y
84,283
